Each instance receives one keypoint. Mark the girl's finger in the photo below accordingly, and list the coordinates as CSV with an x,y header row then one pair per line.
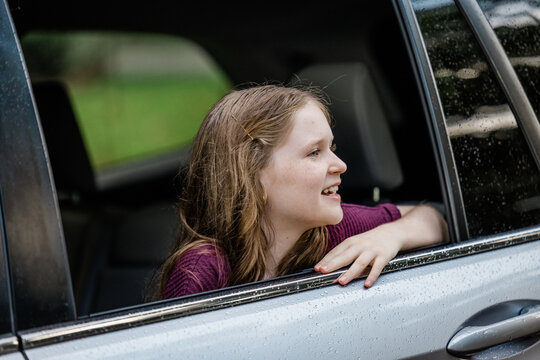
x,y
356,268
336,260
376,269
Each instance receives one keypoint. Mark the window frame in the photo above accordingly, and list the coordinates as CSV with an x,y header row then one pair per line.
x,y
8,342
431,102
40,280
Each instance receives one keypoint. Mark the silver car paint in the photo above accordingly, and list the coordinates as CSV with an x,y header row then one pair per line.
x,y
407,313
13,356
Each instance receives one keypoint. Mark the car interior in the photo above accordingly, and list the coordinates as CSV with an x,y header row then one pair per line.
x,y
117,236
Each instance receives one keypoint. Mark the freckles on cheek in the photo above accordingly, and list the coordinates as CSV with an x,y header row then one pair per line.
x,y
285,171
289,169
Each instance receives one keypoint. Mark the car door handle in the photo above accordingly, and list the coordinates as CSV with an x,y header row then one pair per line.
x,y
472,339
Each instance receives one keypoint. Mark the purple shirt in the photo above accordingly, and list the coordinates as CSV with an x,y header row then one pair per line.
x,y
205,268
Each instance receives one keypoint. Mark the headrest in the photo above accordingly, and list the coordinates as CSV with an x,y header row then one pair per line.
x,y
361,130
70,165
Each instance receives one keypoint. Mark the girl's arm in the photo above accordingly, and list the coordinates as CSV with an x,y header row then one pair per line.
x,y
418,226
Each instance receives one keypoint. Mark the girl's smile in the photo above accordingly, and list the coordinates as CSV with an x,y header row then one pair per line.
x,y
331,192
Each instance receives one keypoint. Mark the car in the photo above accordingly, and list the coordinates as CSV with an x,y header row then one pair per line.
x,y
433,102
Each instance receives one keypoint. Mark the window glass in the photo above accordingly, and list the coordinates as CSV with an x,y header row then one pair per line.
x,y
129,90
499,180
518,29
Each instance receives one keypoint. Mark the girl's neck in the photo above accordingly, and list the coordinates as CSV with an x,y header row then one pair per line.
x,y
281,242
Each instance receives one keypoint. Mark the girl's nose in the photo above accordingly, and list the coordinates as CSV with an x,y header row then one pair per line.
x,y
337,166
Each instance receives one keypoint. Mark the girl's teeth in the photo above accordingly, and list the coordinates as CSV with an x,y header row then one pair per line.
x,y
332,189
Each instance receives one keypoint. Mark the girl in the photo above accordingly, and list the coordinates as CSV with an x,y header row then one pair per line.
x,y
260,200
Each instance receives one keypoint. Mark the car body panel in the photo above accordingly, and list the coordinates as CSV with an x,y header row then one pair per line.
x,y
9,347
400,316
13,356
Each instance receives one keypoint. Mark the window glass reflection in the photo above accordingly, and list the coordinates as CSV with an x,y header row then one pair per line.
x,y
499,180
517,25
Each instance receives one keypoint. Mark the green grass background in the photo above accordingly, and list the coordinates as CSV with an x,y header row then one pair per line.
x,y
127,118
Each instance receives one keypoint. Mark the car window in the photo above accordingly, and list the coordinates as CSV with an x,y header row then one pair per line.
x,y
518,29
128,91
498,177
107,232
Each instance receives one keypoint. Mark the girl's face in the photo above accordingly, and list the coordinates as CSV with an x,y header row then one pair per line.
x,y
302,178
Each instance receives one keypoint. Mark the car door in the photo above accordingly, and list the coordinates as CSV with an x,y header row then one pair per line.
x,y
487,278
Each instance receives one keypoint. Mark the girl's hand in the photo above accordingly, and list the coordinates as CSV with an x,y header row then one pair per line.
x,y
418,226
374,248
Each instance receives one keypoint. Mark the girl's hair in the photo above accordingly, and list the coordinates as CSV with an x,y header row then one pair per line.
x,y
223,201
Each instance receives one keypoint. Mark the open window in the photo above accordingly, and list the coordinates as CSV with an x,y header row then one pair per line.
x,y
119,110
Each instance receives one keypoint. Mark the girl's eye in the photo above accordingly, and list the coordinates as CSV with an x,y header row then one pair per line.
x,y
333,147
314,153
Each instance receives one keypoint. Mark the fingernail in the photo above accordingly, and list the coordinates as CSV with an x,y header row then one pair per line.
x,y
368,283
342,280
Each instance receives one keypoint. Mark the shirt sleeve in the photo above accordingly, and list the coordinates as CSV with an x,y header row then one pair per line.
x,y
199,269
358,219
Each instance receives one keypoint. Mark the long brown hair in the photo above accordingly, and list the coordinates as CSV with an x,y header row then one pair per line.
x,y
223,201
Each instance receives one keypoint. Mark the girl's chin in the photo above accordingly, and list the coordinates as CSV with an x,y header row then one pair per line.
x,y
336,217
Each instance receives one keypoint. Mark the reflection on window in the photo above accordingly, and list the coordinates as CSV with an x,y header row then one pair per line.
x,y
499,180
134,95
518,29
